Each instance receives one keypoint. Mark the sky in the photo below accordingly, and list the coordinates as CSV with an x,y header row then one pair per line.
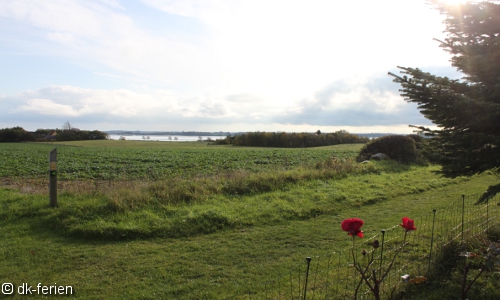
x,y
215,65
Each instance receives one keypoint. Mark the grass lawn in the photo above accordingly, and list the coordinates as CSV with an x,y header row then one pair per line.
x,y
265,236
134,243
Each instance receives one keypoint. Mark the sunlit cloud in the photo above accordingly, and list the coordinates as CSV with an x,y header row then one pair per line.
x,y
47,107
208,63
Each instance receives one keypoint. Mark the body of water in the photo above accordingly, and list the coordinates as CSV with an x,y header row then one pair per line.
x,y
165,138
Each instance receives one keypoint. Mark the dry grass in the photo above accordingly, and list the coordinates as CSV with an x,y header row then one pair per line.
x,y
131,194
41,185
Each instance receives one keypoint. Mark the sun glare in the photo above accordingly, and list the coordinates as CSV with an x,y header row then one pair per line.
x,y
454,2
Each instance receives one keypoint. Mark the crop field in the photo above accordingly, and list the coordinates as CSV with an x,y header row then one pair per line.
x,y
107,160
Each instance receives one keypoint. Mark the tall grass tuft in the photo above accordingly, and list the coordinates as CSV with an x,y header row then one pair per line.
x,y
125,199
239,183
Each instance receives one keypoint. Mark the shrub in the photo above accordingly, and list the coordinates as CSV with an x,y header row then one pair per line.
x,y
418,140
398,147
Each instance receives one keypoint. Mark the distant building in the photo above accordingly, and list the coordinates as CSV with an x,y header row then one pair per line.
x,y
51,136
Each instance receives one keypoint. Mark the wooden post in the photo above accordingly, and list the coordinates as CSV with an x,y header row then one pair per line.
x,y
53,177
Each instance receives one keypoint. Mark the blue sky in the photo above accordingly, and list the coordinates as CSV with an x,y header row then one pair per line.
x,y
214,65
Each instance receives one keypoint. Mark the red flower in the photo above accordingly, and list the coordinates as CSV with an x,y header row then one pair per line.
x,y
353,226
408,224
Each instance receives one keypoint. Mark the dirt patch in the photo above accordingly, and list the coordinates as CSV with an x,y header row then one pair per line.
x,y
41,185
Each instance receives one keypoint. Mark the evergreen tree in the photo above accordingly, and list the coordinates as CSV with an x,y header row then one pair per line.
x,y
466,111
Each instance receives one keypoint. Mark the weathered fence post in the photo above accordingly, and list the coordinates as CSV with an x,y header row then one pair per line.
x,y
487,216
53,177
308,259
338,276
432,239
463,217
382,250
327,274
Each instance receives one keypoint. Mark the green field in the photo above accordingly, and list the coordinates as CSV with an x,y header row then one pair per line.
x,y
146,160
235,228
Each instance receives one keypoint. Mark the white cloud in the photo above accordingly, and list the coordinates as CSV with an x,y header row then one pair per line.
x,y
112,3
287,49
341,103
212,12
78,102
63,38
88,31
47,107
251,62
354,102
279,48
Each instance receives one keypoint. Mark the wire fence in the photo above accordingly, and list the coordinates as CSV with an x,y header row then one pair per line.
x,y
333,275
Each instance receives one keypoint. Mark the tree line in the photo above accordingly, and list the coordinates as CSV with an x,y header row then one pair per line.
x,y
18,134
292,140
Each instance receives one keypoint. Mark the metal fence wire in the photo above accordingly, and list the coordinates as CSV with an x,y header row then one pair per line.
x,y
333,276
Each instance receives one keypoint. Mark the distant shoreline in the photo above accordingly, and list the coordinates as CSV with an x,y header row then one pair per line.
x,y
219,133
165,137
172,133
